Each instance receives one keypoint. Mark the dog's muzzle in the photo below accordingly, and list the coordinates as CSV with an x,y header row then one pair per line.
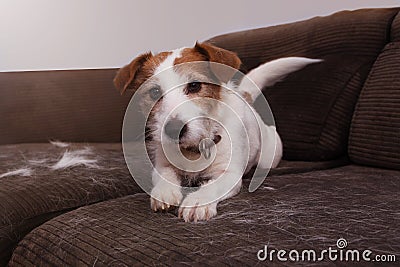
x,y
175,129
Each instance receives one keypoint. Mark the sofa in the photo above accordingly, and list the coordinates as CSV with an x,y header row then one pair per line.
x,y
337,186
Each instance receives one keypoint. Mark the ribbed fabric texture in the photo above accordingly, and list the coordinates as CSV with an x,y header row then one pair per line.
x,y
395,30
313,107
361,32
26,202
68,105
375,131
301,211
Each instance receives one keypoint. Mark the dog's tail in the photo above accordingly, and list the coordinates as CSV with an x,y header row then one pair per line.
x,y
270,73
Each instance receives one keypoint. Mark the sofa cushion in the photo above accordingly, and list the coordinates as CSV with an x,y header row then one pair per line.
x,y
298,211
33,196
28,201
313,107
375,130
395,31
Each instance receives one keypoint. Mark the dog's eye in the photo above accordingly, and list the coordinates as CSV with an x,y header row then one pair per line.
x,y
155,93
193,87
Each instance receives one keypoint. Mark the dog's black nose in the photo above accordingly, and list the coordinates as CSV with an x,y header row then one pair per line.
x,y
175,129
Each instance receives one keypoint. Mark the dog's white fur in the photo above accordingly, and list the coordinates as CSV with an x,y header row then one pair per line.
x,y
272,72
75,158
68,159
264,147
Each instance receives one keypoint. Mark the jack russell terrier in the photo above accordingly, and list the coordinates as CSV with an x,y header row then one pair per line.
x,y
200,112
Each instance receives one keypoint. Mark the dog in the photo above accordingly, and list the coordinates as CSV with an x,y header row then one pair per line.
x,y
216,132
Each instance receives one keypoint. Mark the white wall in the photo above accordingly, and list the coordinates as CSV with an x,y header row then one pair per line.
x,y
63,34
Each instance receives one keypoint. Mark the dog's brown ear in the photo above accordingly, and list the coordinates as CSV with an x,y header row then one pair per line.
x,y
219,55
222,56
125,78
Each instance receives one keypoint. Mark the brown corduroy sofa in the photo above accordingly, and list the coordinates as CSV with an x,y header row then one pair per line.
x,y
340,177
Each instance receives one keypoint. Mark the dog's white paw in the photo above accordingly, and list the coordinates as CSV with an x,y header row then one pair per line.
x,y
165,196
193,208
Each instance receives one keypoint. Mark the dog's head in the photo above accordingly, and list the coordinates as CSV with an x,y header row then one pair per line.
x,y
180,94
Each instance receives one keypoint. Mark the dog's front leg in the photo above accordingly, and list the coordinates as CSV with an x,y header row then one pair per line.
x,y
201,205
166,191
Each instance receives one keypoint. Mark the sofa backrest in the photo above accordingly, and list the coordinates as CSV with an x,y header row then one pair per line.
x,y
313,108
68,105
375,129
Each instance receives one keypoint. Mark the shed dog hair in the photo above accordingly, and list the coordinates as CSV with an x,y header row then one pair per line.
x,y
238,142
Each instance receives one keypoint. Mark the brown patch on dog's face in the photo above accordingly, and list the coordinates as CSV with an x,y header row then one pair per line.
x,y
147,70
214,73
207,91
150,65
126,77
133,75
190,55
201,74
219,55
